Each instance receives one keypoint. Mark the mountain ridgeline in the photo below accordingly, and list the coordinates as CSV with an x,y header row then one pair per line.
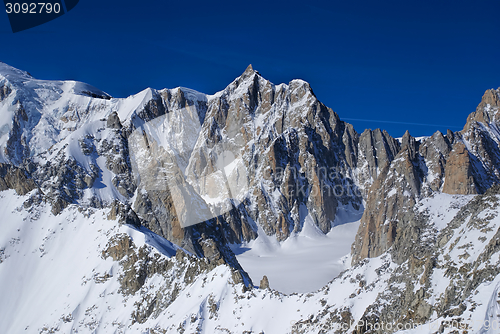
x,y
300,158
67,144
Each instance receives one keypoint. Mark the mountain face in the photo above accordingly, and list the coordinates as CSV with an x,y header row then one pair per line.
x,y
465,162
147,193
295,152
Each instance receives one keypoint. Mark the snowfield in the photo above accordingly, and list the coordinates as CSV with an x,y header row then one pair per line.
x,y
305,262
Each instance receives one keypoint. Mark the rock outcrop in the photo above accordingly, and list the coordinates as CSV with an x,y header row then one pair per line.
x,y
12,177
4,91
458,176
389,202
113,121
264,283
376,150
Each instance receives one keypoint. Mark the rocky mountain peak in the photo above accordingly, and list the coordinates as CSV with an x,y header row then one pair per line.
x,y
376,149
492,97
487,111
249,70
249,74
409,143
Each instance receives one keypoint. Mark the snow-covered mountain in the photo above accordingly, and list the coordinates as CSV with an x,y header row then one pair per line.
x,y
137,214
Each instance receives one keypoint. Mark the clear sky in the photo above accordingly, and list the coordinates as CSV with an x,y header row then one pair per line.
x,y
416,65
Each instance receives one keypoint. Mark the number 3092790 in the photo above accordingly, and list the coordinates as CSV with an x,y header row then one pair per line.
x,y
32,8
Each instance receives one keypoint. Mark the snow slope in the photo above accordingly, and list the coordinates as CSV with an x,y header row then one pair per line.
x,y
55,277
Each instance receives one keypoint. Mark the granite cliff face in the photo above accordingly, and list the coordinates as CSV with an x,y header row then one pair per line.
x,y
292,148
464,162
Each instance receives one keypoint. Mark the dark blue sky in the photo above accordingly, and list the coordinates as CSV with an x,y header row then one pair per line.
x,y
416,65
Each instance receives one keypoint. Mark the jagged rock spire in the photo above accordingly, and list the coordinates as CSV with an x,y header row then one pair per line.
x,y
249,71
